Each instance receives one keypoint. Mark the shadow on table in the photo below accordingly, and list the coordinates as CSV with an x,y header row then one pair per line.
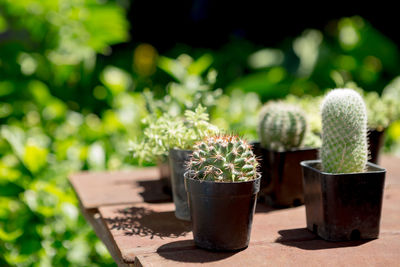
x,y
304,239
186,251
146,222
263,207
154,191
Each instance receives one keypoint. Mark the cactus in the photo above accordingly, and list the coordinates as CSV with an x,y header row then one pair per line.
x,y
344,132
223,158
281,126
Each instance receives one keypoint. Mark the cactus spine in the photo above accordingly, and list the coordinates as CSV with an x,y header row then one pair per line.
x,y
344,132
223,158
281,126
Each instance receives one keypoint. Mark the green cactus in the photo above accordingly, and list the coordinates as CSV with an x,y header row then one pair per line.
x,y
344,132
281,126
223,158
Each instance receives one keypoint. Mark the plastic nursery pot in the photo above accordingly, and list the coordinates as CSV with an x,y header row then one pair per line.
x,y
343,207
281,183
177,159
222,212
375,140
165,175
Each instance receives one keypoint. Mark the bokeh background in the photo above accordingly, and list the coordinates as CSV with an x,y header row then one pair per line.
x,y
77,78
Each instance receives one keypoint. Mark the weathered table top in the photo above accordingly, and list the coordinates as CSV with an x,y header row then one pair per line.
x,y
135,219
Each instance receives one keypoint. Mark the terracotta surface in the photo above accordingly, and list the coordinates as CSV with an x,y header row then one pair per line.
x,y
148,234
381,252
143,228
96,189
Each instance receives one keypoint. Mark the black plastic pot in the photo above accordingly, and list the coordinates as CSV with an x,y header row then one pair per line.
x,y
177,159
376,139
343,206
281,182
222,213
165,175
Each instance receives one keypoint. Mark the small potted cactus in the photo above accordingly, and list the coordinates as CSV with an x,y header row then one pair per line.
x,y
222,183
343,192
173,137
282,128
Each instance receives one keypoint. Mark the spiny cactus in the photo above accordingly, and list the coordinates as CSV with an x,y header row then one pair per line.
x,y
281,126
344,132
223,158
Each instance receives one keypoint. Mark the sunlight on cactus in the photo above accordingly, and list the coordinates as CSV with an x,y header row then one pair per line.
x,y
344,132
223,158
281,126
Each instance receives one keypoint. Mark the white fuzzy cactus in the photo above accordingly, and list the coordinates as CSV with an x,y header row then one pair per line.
x,y
344,132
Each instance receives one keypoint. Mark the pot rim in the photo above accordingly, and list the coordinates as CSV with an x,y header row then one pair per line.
x,y
186,176
376,168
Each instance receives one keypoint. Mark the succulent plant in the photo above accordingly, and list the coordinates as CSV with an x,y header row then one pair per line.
x,y
383,109
311,106
223,158
172,132
281,126
344,132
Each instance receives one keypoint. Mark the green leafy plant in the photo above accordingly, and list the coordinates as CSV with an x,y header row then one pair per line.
x,y
381,110
281,126
344,132
238,113
223,158
168,132
189,88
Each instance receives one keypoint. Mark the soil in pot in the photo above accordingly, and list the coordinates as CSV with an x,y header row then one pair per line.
x,y
177,159
281,182
222,213
343,207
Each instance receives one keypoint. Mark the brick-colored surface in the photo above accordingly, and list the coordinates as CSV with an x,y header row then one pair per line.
x,y
380,252
96,189
148,234
281,233
142,228
392,165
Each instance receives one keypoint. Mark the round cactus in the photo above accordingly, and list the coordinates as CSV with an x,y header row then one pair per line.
x,y
281,126
344,132
223,158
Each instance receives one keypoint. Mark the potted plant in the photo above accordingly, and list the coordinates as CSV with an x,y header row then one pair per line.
x,y
381,112
282,128
343,192
174,137
222,183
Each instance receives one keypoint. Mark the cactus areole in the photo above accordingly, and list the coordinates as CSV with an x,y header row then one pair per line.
x,y
281,126
344,132
223,158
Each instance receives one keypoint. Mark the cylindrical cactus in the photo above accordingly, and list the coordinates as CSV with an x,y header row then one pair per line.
x,y
281,126
223,158
344,132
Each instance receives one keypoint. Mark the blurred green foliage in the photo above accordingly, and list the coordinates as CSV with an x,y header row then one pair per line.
x,y
68,102
49,129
